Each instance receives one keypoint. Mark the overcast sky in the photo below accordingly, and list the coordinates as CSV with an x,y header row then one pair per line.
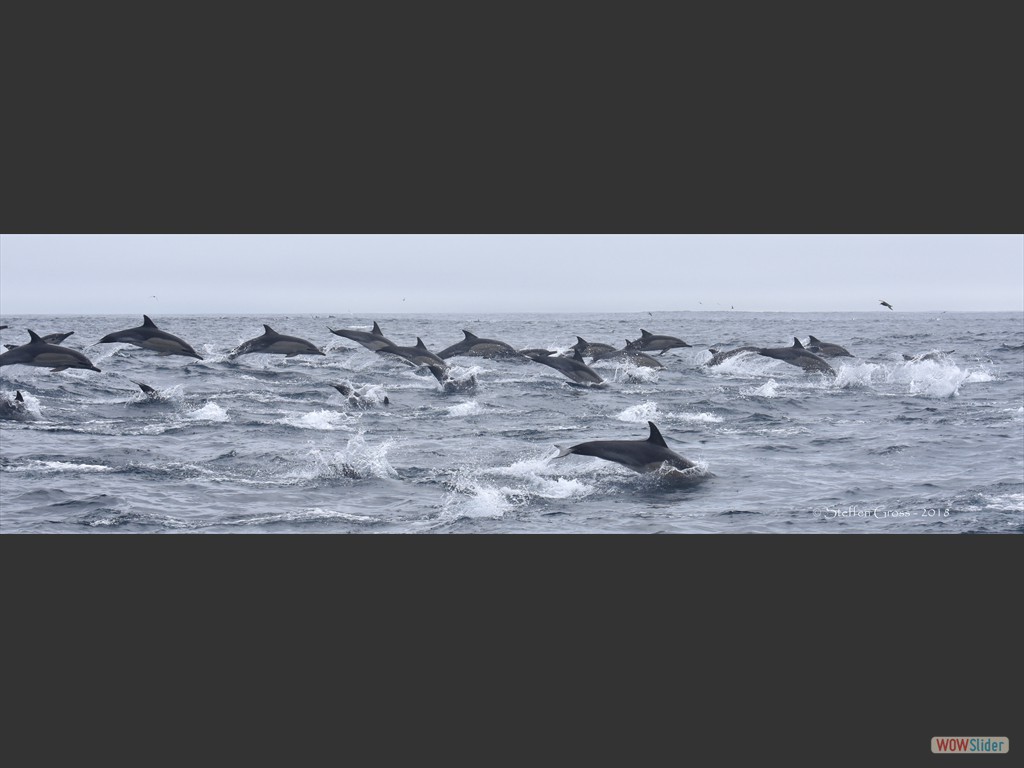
x,y
375,274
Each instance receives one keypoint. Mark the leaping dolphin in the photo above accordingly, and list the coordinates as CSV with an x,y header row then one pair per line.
x,y
474,346
450,384
274,343
588,349
720,356
824,349
418,355
573,368
148,336
639,455
39,353
797,355
628,354
358,396
50,338
935,356
372,340
650,342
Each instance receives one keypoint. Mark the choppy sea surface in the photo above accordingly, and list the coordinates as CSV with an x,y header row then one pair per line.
x,y
266,444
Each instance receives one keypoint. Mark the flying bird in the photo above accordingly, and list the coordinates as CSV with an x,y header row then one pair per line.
x,y
885,303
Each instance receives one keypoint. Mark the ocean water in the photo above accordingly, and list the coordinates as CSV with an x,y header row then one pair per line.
x,y
266,444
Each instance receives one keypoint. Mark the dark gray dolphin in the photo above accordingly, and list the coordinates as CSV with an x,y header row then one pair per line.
x,y
719,356
274,343
148,336
824,349
572,368
418,355
148,391
50,338
15,408
358,396
450,384
798,356
43,355
474,346
588,349
629,355
651,342
639,455
372,340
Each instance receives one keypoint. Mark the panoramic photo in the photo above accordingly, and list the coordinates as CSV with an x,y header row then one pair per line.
x,y
560,384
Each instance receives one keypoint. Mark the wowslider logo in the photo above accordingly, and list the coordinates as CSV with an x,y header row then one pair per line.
x,y
978,745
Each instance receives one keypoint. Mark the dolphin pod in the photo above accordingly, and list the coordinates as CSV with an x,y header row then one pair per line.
x,y
643,456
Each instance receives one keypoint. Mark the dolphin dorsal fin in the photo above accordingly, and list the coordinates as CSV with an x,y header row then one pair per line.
x,y
420,344
656,437
18,397
34,337
813,340
578,357
469,335
581,340
644,334
267,329
147,323
376,329
797,344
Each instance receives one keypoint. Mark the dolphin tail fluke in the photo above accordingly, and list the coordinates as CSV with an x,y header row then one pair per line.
x,y
564,449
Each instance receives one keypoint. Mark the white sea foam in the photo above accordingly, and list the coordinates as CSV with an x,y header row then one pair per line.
x,y
209,412
540,478
320,420
464,409
641,413
627,372
858,374
473,500
769,389
314,515
358,460
56,466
